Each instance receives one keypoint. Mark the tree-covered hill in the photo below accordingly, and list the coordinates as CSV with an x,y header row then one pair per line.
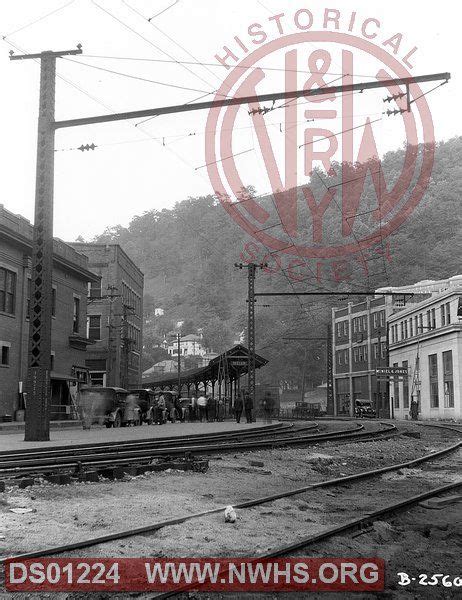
x,y
187,254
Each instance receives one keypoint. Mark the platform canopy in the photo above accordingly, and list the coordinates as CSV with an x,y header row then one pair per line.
x,y
230,365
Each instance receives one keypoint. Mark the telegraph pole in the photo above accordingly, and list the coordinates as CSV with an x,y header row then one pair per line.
x,y
178,340
251,270
37,426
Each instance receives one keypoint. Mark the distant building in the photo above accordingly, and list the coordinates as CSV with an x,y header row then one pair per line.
x,y
70,279
361,337
159,312
115,316
190,345
359,334
427,339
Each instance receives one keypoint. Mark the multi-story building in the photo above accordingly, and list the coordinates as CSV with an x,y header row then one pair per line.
x,y
190,345
427,339
359,334
70,279
115,316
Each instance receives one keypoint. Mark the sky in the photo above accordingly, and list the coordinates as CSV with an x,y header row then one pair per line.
x,y
159,162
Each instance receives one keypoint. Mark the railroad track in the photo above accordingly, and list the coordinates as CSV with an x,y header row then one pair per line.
x,y
129,453
368,517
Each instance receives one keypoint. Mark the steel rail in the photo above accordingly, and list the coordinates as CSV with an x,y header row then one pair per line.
x,y
10,466
155,452
240,505
145,450
327,533
149,440
69,467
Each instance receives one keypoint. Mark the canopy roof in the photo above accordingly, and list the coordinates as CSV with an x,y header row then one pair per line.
x,y
235,360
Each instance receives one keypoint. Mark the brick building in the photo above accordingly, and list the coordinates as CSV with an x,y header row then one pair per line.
x,y
427,339
359,347
70,278
115,316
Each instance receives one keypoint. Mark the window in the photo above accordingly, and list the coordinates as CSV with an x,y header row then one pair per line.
x,y
4,354
94,327
393,334
405,329
345,328
376,350
7,291
402,330
396,389
382,318
383,350
338,329
375,320
346,356
448,313
76,316
411,333
405,387
355,325
448,379
355,354
94,289
433,373
420,323
433,318
365,323
428,320
443,316
416,325
53,302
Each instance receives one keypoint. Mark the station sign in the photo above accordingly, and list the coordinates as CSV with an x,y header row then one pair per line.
x,y
391,371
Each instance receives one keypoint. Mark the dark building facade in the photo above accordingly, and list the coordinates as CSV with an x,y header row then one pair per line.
x,y
359,347
115,316
70,281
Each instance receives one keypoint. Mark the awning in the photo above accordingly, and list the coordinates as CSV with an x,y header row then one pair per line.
x,y
62,377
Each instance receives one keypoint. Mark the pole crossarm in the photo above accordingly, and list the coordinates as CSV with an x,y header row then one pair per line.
x,y
166,110
46,53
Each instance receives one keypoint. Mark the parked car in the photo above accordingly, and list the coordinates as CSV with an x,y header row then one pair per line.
x,y
110,406
147,403
364,409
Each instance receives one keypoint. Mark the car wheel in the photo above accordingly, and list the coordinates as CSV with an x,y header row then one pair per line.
x,y
108,425
117,420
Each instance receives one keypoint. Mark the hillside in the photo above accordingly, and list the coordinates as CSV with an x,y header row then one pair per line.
x,y
188,253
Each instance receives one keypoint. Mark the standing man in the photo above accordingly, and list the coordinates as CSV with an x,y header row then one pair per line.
x,y
248,406
414,409
202,405
238,406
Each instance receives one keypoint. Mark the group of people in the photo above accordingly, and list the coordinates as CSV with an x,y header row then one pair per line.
x,y
203,408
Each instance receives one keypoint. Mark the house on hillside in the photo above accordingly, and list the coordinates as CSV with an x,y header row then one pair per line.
x,y
190,345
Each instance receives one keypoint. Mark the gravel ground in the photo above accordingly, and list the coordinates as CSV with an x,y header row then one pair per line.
x,y
69,513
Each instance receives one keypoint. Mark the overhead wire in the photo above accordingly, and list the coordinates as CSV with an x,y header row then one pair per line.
x,y
43,17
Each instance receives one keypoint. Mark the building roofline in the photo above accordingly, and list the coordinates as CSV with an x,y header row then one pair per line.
x,y
427,302
105,245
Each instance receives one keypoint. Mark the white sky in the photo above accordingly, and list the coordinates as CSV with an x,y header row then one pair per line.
x,y
106,187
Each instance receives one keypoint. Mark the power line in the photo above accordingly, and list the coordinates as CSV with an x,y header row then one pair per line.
x,y
165,10
45,16
138,78
219,65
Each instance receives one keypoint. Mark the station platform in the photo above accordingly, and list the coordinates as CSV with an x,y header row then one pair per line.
x,y
97,434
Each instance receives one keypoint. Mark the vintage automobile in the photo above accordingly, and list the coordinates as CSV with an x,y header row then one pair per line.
x,y
306,410
147,403
110,406
364,409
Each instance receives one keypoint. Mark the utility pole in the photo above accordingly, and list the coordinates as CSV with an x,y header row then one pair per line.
x,y
178,339
127,342
251,270
37,426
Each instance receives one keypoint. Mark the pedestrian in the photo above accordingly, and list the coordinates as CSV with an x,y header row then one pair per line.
x,y
414,411
202,405
248,406
160,410
192,409
268,406
238,406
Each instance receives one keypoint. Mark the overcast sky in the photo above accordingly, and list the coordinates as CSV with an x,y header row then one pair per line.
x,y
130,172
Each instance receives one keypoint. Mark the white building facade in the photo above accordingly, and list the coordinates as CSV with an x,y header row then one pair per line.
x,y
427,339
190,345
